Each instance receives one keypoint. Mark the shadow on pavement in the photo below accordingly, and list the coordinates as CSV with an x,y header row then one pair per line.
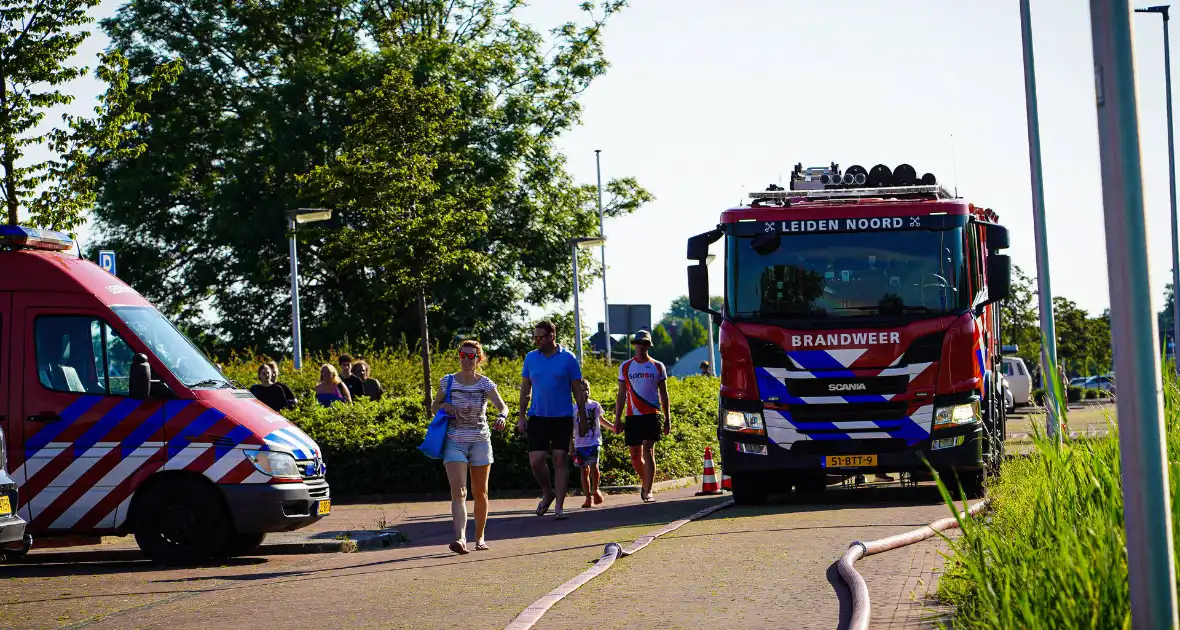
x,y
843,594
50,568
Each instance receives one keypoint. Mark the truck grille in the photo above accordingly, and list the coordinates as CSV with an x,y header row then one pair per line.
x,y
876,385
861,412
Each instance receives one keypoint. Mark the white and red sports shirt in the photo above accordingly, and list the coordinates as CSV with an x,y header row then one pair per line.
x,y
642,382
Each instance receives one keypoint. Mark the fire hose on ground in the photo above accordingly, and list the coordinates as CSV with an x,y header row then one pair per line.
x,y
858,550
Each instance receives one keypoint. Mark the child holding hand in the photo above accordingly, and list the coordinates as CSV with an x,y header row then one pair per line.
x,y
587,443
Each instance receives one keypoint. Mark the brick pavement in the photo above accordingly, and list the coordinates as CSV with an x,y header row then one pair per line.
x,y
902,584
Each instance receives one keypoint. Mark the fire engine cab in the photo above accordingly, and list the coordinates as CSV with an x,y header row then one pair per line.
x,y
115,423
859,333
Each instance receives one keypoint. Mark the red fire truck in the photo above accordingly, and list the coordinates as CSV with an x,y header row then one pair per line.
x,y
860,332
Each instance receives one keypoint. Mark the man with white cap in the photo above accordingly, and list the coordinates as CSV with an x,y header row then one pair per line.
x,y
643,381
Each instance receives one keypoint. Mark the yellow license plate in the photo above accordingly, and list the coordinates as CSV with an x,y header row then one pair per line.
x,y
5,506
325,507
850,461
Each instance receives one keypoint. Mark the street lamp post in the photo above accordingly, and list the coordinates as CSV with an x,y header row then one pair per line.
x,y
575,243
1163,11
1147,512
296,216
1049,371
602,233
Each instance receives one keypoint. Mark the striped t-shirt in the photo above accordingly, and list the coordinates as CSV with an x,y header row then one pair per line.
x,y
470,423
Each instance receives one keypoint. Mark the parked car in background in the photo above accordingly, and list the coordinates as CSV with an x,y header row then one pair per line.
x,y
13,539
1103,383
1079,381
1020,384
1009,400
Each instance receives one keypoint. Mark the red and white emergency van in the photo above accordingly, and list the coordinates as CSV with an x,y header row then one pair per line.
x,y
117,424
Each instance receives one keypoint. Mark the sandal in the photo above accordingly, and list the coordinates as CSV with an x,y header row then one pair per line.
x,y
559,515
597,498
481,546
543,505
587,503
647,498
459,547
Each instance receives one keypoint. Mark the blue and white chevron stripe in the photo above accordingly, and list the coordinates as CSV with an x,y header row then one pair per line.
x,y
294,441
784,431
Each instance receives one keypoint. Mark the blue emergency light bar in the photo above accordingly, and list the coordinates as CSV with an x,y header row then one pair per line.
x,y
18,236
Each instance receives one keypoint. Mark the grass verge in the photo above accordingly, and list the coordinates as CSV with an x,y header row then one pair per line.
x,y
1051,551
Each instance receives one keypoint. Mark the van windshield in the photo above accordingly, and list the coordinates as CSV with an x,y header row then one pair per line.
x,y
171,347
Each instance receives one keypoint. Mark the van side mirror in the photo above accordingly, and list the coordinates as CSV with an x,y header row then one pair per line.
x,y
999,277
997,236
140,378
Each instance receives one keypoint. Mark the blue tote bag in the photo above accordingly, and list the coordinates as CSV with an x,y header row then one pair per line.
x,y
436,434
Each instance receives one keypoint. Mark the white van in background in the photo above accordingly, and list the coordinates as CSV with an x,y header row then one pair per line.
x,y
1019,380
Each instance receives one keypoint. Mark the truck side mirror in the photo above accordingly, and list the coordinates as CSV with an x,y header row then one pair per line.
x,y
698,246
999,277
140,378
997,236
698,288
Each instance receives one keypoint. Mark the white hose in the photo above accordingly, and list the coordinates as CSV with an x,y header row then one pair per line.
x,y
857,550
613,551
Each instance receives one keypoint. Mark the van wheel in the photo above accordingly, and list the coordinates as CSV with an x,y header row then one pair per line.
x,y
181,521
242,544
748,490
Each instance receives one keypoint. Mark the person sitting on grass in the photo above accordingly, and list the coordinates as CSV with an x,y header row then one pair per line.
x,y
587,443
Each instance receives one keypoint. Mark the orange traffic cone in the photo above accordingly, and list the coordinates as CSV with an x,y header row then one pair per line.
x,y
709,483
726,482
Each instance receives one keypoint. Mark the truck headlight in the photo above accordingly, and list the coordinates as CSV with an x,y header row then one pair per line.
x,y
956,415
743,420
274,463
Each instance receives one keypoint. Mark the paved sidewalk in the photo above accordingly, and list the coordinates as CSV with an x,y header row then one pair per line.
x,y
902,584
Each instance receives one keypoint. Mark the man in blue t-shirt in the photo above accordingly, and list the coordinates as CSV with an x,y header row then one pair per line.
x,y
550,379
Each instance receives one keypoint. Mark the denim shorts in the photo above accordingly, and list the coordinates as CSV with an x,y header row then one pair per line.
x,y
473,453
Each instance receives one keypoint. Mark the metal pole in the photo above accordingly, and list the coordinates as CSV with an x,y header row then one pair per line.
x,y
1142,443
1172,186
712,354
602,233
1040,232
577,309
296,346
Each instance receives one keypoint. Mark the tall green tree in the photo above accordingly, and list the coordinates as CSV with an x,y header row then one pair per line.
x,y
37,40
1019,323
199,218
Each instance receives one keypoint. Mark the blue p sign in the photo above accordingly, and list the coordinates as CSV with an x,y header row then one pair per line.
x,y
106,260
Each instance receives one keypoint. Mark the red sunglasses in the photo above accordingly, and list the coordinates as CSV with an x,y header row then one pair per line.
x,y
468,355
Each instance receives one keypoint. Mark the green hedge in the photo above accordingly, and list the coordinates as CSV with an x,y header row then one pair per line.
x,y
372,447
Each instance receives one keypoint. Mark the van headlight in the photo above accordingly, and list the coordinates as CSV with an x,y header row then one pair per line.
x,y
743,420
956,415
274,463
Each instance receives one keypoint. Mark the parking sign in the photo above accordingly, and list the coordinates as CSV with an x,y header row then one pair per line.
x,y
106,260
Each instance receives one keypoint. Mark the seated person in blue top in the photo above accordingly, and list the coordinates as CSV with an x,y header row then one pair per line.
x,y
551,381
331,389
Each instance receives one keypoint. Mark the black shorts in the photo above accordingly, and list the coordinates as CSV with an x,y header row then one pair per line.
x,y
637,429
547,433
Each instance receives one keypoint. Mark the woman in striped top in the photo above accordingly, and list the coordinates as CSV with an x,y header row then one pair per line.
x,y
469,439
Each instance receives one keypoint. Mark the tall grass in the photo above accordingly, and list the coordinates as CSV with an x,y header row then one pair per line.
x,y
1051,553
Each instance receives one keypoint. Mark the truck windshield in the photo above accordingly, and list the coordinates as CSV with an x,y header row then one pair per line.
x,y
171,347
847,274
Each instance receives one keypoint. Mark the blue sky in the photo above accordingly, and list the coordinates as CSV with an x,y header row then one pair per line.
x,y
705,101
